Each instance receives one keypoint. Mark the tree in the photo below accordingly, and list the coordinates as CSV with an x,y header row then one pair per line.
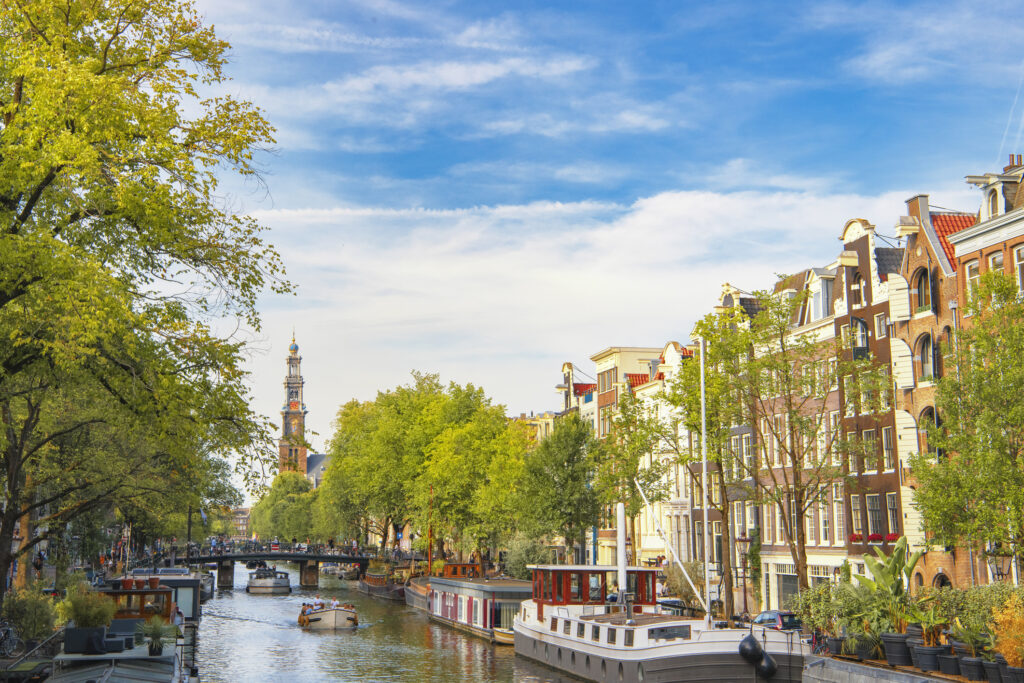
x,y
117,252
559,497
286,509
971,474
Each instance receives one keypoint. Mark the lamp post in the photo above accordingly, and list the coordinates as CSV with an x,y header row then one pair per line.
x,y
743,547
1000,566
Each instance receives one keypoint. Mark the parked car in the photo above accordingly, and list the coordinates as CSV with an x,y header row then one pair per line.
x,y
779,620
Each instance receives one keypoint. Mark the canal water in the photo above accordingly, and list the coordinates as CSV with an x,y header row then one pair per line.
x,y
246,637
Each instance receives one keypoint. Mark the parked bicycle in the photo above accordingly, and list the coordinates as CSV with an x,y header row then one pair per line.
x,y
11,646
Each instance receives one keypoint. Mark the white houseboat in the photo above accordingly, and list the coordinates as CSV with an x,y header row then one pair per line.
x,y
478,606
265,580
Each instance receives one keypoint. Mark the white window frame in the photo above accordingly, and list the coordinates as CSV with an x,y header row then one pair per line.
x,y
893,513
855,520
881,326
888,450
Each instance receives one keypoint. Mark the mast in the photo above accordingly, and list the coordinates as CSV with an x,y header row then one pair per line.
x,y
430,535
620,539
704,482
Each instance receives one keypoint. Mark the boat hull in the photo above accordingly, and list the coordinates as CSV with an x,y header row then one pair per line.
x,y
332,619
714,667
504,636
417,593
259,588
389,591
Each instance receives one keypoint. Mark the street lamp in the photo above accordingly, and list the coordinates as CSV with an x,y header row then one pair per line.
x,y
743,546
1000,566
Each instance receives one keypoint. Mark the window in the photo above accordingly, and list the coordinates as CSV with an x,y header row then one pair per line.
x,y
926,363
870,450
923,290
611,636
595,634
748,452
628,640
993,203
874,514
581,630
566,626
881,326
995,262
973,274
838,512
851,445
888,449
855,514
860,333
669,633
894,513
855,290
823,516
844,334
1018,257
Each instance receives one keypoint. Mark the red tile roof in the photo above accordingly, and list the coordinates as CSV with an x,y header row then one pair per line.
x,y
582,389
946,224
637,379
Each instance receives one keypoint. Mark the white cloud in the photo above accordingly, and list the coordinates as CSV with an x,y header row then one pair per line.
x,y
500,295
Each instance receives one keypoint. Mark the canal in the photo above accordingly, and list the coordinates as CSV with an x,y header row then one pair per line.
x,y
246,637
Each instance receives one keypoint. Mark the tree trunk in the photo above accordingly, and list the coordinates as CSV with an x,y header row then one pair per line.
x,y
729,602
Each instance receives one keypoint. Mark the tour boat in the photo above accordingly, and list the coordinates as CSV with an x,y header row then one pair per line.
x,y
268,581
479,605
380,584
332,618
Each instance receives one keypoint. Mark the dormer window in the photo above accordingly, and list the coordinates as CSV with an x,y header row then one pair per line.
x,y
993,203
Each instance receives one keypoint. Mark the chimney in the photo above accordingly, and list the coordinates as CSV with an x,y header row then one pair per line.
x,y
918,207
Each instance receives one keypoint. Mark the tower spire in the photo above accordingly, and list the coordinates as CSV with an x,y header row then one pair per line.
x,y
291,445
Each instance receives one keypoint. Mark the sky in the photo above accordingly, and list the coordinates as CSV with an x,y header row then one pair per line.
x,y
486,190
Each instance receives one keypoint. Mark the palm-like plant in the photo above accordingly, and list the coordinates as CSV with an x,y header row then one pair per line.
x,y
890,578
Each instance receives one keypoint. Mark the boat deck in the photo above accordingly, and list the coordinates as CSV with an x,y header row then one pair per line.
x,y
619,619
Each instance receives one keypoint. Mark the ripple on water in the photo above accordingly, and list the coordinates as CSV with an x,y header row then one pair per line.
x,y
246,637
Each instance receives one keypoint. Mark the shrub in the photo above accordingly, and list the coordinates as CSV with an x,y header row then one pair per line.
x,y
437,567
1009,630
817,608
87,608
677,585
32,613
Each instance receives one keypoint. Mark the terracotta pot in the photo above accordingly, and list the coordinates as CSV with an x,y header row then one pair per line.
x,y
128,584
154,581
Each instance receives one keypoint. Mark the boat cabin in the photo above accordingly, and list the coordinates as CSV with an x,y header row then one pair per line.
x,y
568,584
185,585
142,603
461,570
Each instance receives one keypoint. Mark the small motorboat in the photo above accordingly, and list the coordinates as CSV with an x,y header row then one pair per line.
x,y
255,564
271,581
329,569
330,618
504,636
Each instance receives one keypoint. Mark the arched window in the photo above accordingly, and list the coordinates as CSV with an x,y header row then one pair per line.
x,y
860,338
993,203
923,290
926,355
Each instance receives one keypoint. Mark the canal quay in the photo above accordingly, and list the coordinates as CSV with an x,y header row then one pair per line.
x,y
246,637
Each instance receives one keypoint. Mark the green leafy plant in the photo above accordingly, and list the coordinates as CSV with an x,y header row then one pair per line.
x,y
971,633
32,613
927,614
889,580
158,631
677,584
437,567
87,608
817,608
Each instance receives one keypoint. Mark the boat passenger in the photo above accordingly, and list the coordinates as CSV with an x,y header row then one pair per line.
x,y
334,603
304,615
318,603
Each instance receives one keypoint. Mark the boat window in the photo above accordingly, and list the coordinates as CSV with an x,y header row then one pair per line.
x,y
611,636
595,634
628,638
581,630
547,585
576,587
558,586
669,632
566,626
554,623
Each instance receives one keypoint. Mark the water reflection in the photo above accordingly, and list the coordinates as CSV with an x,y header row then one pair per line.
x,y
246,637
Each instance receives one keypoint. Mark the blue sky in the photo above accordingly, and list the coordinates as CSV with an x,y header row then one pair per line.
x,y
488,189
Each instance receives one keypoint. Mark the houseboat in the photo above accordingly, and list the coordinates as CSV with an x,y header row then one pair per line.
x,y
485,607
381,584
571,625
186,587
417,590
270,581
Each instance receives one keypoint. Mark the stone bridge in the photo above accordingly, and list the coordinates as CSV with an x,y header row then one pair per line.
x,y
309,563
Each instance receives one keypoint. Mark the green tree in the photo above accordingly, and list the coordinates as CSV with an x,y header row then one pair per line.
x,y
971,475
286,510
559,497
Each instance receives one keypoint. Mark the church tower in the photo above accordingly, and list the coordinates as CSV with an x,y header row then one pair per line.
x,y
291,449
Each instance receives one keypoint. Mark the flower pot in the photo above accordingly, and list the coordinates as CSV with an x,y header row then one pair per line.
x,y
914,630
866,649
1015,674
896,651
835,645
992,672
928,657
971,668
912,644
156,649
949,664
154,581
128,584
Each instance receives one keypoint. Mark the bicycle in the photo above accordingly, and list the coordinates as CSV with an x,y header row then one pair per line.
x,y
11,646
818,643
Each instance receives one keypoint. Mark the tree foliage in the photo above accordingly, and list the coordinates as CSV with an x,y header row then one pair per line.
x,y
286,510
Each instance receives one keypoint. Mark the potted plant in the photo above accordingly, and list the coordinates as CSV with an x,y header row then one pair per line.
x,y
158,632
971,639
89,613
931,630
889,583
1008,624
154,581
